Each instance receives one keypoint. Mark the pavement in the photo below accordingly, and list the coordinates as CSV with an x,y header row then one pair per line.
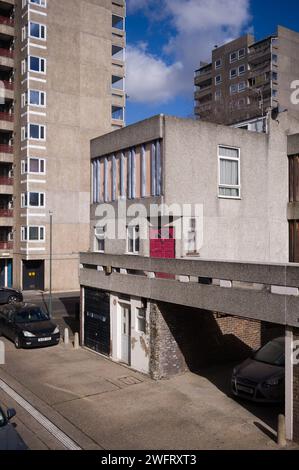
x,y
103,405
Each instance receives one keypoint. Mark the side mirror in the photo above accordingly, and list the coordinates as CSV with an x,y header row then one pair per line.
x,y
11,413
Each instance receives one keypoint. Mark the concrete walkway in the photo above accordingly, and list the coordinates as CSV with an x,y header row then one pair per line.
x,y
104,405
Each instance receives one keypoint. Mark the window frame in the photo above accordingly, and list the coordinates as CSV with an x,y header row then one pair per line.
x,y
41,26
217,67
41,60
231,75
134,252
25,231
238,159
25,166
25,200
40,93
141,318
220,81
231,61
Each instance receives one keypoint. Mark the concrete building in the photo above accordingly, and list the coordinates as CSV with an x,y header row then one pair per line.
x,y
185,194
62,73
247,78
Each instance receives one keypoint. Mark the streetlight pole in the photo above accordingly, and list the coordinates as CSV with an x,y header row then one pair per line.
x,y
51,258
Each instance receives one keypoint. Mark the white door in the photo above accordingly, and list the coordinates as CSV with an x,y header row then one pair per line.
x,y
125,333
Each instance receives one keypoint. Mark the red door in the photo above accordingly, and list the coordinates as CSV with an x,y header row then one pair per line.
x,y
162,245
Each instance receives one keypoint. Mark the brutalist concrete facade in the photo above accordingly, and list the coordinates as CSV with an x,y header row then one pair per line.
x,y
68,83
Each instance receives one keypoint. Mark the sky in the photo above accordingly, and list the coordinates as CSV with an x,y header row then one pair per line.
x,y
167,39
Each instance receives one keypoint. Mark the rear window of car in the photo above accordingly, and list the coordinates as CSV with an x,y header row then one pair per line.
x,y
31,315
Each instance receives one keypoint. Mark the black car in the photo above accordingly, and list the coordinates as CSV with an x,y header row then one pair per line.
x,y
261,378
9,438
28,326
10,296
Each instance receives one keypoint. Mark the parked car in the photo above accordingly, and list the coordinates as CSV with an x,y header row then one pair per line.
x,y
28,326
9,438
10,296
261,378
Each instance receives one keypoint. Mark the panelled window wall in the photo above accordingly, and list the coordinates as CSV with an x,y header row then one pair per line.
x,y
133,173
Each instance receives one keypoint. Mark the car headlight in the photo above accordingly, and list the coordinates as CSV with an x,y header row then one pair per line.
x,y
56,331
274,381
27,334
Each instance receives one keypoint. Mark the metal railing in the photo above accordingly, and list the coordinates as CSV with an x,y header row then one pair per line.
x,y
5,148
6,181
7,21
4,116
6,53
6,212
6,245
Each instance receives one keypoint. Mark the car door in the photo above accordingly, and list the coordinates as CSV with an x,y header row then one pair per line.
x,y
4,323
8,324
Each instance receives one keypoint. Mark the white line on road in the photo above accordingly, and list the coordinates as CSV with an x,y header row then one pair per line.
x,y
41,419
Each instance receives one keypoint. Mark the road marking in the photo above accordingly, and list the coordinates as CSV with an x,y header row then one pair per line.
x,y
41,419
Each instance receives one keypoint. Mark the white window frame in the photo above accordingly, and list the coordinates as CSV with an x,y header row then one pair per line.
x,y
241,89
218,95
238,159
25,166
220,81
25,196
232,88
41,60
123,21
41,228
135,238
241,56
142,318
39,3
40,126
99,237
41,26
231,75
230,57
219,62
241,66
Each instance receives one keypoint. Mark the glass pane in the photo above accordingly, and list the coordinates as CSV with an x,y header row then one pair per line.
x,y
34,199
33,233
228,152
229,172
230,192
34,166
34,97
34,30
34,64
34,132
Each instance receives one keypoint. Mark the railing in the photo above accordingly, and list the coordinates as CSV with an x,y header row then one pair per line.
x,y
6,53
6,116
5,148
6,245
7,21
6,213
266,292
6,181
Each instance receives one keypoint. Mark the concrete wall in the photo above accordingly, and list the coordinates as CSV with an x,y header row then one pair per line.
x,y
79,99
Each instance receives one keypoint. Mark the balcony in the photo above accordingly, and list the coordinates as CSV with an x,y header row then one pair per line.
x,y
7,26
6,213
6,58
6,121
6,181
6,148
6,245
7,21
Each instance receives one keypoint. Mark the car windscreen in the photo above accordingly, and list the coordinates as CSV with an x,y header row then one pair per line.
x,y
31,315
272,353
2,419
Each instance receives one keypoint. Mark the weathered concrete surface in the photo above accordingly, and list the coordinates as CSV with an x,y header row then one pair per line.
x,y
104,405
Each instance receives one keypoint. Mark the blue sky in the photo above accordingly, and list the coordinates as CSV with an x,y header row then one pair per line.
x,y
168,38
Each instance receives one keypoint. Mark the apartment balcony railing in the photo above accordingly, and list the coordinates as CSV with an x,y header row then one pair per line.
x,y
6,117
6,181
6,212
8,85
6,245
6,53
7,21
5,148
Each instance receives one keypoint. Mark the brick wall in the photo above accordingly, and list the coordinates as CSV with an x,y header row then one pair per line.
x,y
184,338
296,395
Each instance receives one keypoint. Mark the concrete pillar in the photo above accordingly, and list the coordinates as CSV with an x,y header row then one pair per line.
x,y
76,341
289,383
66,336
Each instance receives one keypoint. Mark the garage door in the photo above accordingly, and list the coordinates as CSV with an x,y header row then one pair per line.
x,y
97,321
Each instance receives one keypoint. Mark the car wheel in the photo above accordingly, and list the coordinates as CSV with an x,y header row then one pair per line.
x,y
12,299
17,342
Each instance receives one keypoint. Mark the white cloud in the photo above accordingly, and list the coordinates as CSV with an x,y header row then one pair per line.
x,y
197,26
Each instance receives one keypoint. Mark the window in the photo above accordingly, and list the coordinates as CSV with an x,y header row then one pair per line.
x,y
35,131
34,165
218,64
118,53
242,69
141,320
100,234
275,58
40,3
242,86
274,93
233,57
191,237
37,30
117,113
117,83
217,95
32,233
37,64
233,73
241,53
37,98
33,200
133,239
229,172
218,79
233,89
275,76
118,22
